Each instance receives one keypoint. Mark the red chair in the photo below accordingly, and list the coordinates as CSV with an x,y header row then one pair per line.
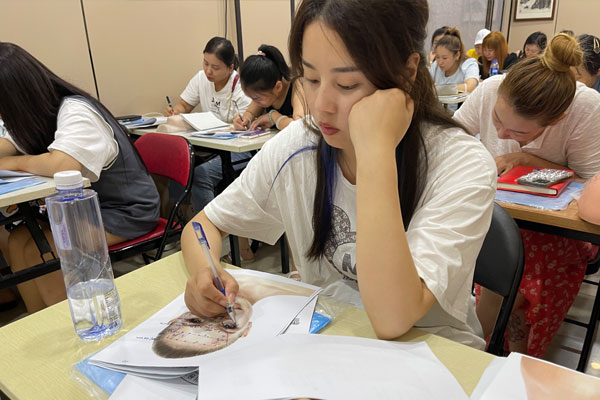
x,y
172,157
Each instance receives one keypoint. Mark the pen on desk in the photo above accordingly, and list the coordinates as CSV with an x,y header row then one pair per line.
x,y
218,283
169,103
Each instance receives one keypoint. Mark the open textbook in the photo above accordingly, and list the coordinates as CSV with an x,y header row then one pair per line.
x,y
521,377
173,341
204,121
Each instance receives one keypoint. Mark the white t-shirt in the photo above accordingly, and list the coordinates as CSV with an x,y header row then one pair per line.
x,y
468,69
84,135
224,104
444,235
573,142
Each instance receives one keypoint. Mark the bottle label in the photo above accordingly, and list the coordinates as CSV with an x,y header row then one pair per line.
x,y
112,305
62,240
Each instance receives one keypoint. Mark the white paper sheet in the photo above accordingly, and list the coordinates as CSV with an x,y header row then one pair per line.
x,y
134,387
301,323
328,367
204,121
523,377
271,312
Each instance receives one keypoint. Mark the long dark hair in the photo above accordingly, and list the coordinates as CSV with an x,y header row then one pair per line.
x,y
539,39
223,49
30,97
260,72
380,49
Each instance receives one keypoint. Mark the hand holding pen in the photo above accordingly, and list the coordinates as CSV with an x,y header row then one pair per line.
x,y
170,110
207,296
241,124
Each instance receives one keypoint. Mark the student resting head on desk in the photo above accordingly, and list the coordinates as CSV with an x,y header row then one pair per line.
x,y
377,189
538,115
54,126
266,80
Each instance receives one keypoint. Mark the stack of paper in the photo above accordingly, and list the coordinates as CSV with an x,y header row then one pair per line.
x,y
204,121
173,342
13,180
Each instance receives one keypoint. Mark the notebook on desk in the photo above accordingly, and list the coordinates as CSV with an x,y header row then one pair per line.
x,y
204,121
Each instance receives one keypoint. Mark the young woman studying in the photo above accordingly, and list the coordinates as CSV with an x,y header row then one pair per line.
x,y
494,46
538,115
437,35
216,88
534,45
266,80
378,188
452,65
54,126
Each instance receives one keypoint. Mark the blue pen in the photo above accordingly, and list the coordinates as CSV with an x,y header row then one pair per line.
x,y
218,283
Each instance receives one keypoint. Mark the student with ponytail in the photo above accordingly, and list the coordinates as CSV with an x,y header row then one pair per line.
x,y
377,188
538,115
265,78
452,65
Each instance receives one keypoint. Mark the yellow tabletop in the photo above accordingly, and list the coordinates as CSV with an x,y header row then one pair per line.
x,y
238,145
38,351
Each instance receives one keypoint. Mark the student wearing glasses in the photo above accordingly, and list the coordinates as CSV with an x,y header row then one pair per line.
x,y
538,115
377,189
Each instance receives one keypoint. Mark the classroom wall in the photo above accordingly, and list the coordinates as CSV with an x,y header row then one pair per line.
x,y
577,15
145,49
53,32
142,50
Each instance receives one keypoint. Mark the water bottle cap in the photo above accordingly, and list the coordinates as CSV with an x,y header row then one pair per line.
x,y
495,60
68,180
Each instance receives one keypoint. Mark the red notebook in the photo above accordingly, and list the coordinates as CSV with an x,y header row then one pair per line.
x,y
509,182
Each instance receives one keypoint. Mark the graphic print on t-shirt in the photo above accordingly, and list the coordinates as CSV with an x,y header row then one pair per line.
x,y
215,106
340,247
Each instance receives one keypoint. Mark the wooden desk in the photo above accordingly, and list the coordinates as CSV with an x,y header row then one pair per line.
x,y
562,223
37,351
27,213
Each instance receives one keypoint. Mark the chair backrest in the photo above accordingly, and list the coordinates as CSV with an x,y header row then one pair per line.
x,y
499,268
170,156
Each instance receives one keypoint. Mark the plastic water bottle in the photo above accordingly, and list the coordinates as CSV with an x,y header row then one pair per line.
x,y
494,67
80,240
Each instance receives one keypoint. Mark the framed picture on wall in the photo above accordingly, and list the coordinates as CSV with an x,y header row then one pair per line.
x,y
531,10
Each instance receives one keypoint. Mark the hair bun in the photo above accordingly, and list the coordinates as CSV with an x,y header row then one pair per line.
x,y
562,53
453,32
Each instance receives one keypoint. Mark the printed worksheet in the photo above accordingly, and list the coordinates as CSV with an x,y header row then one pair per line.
x,y
173,341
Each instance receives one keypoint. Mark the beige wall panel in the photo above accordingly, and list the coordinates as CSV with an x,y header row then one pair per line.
x,y
580,16
577,15
53,32
265,21
146,49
